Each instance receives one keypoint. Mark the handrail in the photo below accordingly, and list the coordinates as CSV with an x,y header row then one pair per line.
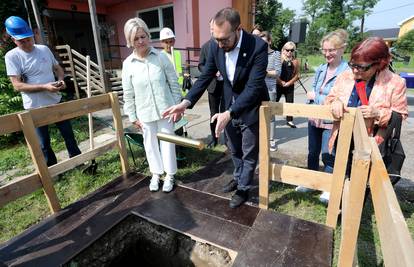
x,y
28,120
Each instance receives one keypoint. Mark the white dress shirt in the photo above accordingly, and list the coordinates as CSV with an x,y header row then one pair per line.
x,y
231,59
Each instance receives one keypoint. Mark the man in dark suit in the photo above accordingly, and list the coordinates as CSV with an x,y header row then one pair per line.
x,y
215,89
242,60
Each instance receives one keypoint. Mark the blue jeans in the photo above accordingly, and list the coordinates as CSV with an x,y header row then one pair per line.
x,y
66,131
243,142
318,139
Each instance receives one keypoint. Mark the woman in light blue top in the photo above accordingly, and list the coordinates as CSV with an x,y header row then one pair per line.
x,y
150,86
332,47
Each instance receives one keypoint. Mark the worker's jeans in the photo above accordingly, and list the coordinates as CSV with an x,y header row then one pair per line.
x,y
66,131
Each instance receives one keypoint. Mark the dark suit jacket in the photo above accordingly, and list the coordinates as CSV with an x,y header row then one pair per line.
x,y
202,63
249,87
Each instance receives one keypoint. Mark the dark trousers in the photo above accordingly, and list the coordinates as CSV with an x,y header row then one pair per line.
x,y
243,142
216,104
66,131
318,139
288,92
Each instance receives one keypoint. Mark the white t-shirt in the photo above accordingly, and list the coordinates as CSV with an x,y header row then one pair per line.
x,y
35,67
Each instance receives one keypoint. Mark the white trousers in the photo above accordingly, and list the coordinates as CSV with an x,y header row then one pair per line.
x,y
161,156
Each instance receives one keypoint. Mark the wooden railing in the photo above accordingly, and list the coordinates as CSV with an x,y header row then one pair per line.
x,y
396,242
28,120
75,64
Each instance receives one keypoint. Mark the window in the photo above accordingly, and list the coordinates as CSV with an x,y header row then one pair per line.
x,y
158,18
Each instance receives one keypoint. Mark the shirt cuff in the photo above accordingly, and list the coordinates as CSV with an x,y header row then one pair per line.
x,y
186,102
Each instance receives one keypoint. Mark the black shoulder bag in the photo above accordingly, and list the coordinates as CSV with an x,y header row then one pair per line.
x,y
391,149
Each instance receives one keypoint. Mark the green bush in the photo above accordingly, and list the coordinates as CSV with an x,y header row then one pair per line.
x,y
406,43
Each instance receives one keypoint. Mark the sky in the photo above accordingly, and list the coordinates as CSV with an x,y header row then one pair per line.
x,y
386,14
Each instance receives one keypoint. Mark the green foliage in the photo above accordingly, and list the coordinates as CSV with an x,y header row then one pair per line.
x,y
272,17
10,100
405,44
328,15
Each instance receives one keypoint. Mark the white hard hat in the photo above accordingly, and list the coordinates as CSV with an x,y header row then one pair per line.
x,y
166,33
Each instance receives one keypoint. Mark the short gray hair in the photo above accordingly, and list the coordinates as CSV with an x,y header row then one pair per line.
x,y
130,30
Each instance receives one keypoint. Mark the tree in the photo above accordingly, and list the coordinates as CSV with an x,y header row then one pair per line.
x,y
360,9
406,43
272,17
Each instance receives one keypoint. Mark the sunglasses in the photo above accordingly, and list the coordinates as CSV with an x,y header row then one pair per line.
x,y
361,67
290,50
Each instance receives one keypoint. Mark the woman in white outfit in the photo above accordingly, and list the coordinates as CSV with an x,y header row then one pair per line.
x,y
150,86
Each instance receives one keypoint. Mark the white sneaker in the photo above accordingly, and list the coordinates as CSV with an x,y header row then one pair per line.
x,y
154,184
324,197
303,189
168,183
273,146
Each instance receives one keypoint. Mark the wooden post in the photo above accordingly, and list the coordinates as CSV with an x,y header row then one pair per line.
x,y
357,187
72,70
38,159
38,20
119,132
353,212
264,156
341,159
98,44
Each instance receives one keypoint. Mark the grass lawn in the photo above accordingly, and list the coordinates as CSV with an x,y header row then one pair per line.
x,y
17,216
316,60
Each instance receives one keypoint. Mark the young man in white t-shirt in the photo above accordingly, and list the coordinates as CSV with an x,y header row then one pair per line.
x,y
32,69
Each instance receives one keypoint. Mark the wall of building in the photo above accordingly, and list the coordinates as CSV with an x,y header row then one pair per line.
x,y
406,27
207,10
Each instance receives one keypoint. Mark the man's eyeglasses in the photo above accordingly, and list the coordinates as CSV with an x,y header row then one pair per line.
x,y
290,50
226,40
361,67
326,51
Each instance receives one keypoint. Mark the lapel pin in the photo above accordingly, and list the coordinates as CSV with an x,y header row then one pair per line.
x,y
244,54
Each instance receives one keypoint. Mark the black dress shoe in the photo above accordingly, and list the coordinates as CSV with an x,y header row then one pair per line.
x,y
212,143
231,186
238,198
291,124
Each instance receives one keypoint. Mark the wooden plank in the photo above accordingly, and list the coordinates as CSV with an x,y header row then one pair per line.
x,y
264,155
39,160
396,242
72,71
70,163
360,134
19,187
119,129
303,177
341,159
68,110
28,184
352,220
82,73
9,124
300,110
82,68
357,188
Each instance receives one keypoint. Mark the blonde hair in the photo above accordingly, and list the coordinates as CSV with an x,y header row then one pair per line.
x,y
130,30
338,38
288,45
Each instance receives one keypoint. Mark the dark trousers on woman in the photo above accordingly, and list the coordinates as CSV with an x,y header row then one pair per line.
x,y
318,139
66,131
288,92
